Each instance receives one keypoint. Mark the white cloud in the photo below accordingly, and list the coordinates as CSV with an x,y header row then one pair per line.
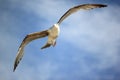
x,y
97,33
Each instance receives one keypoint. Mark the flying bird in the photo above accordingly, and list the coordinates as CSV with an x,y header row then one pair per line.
x,y
52,32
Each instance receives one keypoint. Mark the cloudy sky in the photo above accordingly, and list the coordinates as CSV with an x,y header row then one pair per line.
x,y
88,47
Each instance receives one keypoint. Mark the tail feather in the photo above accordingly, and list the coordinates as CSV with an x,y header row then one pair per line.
x,y
46,46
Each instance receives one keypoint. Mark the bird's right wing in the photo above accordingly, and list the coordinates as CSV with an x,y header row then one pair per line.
x,y
76,8
25,41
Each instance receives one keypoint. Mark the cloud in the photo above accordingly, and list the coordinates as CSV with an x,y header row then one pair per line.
x,y
95,32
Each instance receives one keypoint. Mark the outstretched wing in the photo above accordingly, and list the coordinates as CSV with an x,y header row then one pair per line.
x,y
76,8
26,40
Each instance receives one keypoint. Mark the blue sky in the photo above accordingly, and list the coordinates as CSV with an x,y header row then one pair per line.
x,y
88,47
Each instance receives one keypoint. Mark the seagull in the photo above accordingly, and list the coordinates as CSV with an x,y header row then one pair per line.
x,y
52,33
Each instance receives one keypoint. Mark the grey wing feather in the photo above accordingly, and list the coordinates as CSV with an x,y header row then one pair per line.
x,y
76,8
26,40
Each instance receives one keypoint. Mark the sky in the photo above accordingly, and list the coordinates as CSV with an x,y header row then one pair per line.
x,y
88,47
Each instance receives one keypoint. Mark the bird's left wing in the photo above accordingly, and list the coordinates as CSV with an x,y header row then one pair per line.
x,y
25,41
76,8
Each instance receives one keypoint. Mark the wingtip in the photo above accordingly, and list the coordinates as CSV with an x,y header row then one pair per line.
x,y
14,69
99,5
15,65
104,5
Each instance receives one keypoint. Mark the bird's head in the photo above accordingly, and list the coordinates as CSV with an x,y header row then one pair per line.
x,y
56,25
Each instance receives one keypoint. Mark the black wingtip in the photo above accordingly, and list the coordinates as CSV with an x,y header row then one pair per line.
x,y
99,5
104,5
14,68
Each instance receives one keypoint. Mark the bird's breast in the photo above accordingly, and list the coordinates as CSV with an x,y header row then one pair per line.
x,y
54,31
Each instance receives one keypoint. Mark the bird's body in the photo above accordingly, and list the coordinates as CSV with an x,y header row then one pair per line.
x,y
52,32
